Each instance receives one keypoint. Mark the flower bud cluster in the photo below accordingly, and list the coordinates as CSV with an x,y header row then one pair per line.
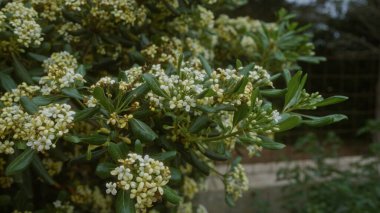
x,y
9,98
6,147
127,12
49,123
262,120
143,177
39,129
236,182
182,89
21,21
60,69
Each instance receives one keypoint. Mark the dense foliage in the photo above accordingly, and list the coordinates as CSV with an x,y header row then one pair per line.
x,y
121,98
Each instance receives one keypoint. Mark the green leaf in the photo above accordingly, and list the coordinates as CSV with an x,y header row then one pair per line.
x,y
44,100
28,105
246,69
21,72
200,123
165,156
71,138
288,122
216,156
331,100
242,112
72,93
102,98
295,87
37,57
95,139
229,200
171,195
141,130
85,113
199,164
115,152
240,86
268,143
40,169
153,84
175,175
273,92
20,163
103,170
123,203
7,82
138,147
205,65
216,108
323,121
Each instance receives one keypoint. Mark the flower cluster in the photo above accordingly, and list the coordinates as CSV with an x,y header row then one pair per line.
x,y
49,123
184,88
236,182
40,129
22,23
9,98
60,69
127,12
143,177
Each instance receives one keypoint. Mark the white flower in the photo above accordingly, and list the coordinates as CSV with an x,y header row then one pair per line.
x,y
276,116
111,188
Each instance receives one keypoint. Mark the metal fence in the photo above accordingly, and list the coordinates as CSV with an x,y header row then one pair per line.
x,y
355,77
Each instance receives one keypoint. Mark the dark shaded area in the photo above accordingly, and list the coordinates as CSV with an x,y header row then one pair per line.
x,y
347,33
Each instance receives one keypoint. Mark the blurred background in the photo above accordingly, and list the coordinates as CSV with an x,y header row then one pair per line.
x,y
334,168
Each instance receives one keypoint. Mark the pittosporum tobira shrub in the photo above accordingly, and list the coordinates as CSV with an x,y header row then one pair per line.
x,y
127,105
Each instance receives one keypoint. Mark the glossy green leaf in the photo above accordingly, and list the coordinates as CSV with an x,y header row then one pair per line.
x,y
115,152
20,163
171,195
123,203
268,143
103,170
323,121
72,93
44,100
7,82
289,122
37,57
273,92
153,84
138,147
28,105
102,98
72,138
141,130
41,171
175,175
21,71
95,139
205,65
199,123
216,156
85,113
165,156
331,100
242,112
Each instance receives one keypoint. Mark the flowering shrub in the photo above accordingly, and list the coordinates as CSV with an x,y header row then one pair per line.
x,y
115,105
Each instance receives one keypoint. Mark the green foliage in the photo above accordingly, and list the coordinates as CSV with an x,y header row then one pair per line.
x,y
143,95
